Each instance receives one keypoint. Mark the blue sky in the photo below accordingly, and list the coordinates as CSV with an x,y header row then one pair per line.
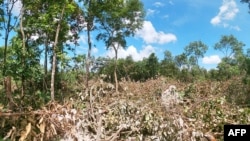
x,y
173,24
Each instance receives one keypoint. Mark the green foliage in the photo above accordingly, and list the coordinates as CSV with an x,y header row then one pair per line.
x,y
181,60
131,70
196,50
238,92
112,18
167,66
247,68
229,46
233,59
14,65
227,71
152,66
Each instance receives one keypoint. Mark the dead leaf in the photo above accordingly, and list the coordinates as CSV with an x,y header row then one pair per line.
x,y
41,127
9,133
25,133
53,129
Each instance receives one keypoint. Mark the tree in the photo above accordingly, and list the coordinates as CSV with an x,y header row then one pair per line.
x,y
152,65
90,11
181,60
52,21
233,56
7,24
229,46
167,65
118,20
196,50
41,20
8,21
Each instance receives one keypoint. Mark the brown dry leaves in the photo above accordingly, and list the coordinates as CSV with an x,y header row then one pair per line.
x,y
136,113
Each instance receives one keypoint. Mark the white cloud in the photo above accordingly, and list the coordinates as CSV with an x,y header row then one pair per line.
x,y
213,59
158,4
228,11
94,50
82,39
132,51
150,12
17,7
150,35
34,37
235,28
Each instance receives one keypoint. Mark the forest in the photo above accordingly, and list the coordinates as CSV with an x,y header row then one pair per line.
x,y
47,94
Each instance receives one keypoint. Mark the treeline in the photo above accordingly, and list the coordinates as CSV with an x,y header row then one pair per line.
x,y
185,67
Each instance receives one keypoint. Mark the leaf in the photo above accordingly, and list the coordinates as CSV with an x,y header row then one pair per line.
x,y
53,129
1,106
42,127
71,7
41,120
9,133
25,133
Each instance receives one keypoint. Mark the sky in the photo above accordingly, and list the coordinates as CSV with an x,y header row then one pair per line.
x,y
172,24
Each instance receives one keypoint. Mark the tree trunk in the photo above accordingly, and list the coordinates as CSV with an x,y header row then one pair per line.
x,y
88,57
23,53
45,65
53,70
7,86
7,79
7,28
115,70
89,28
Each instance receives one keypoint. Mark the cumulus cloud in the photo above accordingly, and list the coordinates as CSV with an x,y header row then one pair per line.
x,y
228,11
213,59
150,35
132,51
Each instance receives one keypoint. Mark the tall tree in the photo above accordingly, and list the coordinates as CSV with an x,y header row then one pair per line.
x,y
23,36
229,46
53,70
118,20
152,65
167,65
233,55
196,50
8,20
54,24
181,60
41,21
90,11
